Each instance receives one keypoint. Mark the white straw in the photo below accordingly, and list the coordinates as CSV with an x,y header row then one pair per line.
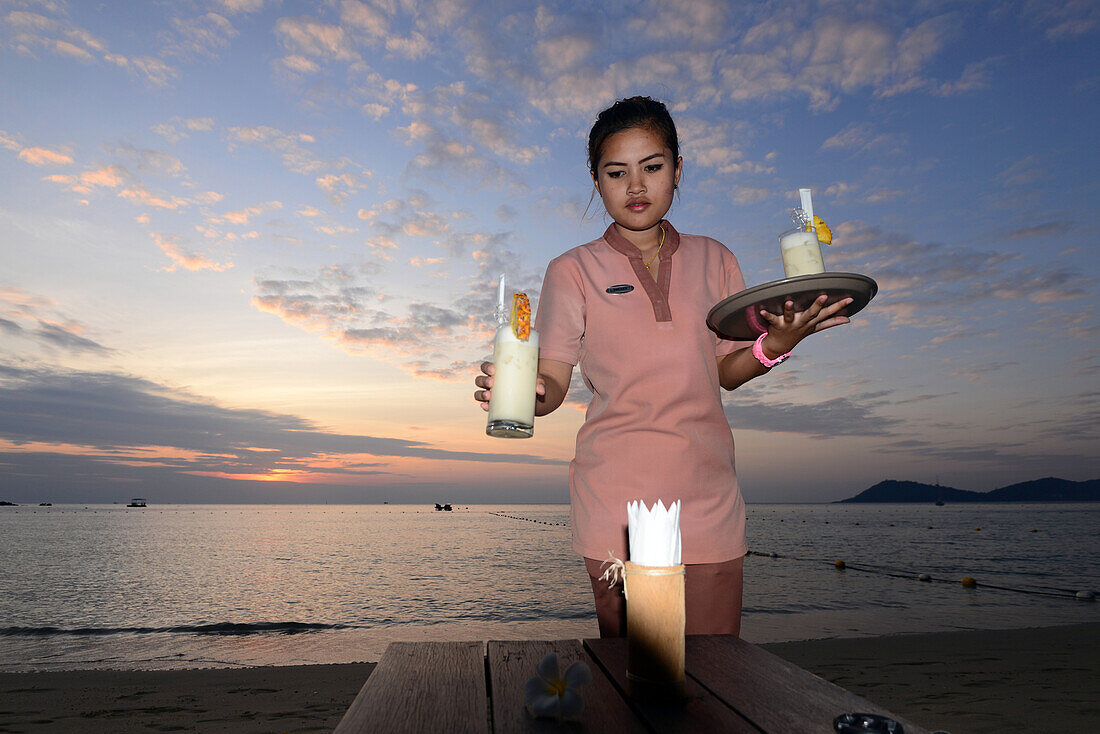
x,y
807,204
500,294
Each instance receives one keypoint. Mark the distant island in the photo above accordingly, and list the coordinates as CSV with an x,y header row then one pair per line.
x,y
1050,489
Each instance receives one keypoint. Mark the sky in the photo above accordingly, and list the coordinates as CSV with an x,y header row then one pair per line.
x,y
249,248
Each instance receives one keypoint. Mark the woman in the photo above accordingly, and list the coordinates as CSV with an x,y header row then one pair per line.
x,y
630,309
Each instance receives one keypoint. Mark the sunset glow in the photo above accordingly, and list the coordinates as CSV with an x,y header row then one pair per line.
x,y
250,247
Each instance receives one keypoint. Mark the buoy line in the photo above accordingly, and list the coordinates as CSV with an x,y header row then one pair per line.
x,y
966,581
529,519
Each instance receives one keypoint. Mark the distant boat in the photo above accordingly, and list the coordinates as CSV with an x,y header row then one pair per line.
x,y
45,504
137,502
939,503
445,508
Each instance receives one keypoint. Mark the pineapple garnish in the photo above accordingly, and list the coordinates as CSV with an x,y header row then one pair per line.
x,y
824,234
521,316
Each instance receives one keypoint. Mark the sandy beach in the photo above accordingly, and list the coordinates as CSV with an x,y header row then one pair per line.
x,y
1029,680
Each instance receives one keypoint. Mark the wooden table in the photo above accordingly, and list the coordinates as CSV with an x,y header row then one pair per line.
x,y
732,686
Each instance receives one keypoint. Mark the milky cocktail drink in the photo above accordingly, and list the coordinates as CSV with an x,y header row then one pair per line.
x,y
801,246
801,253
516,359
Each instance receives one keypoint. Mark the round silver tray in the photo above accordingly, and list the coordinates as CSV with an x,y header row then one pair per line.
x,y
738,317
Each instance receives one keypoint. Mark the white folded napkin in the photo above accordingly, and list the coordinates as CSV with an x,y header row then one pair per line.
x,y
654,534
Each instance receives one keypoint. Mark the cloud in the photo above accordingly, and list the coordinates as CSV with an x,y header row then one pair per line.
x,y
29,31
975,76
339,186
443,153
156,162
243,216
138,194
365,20
45,157
347,306
118,420
713,145
750,194
181,258
979,372
859,136
178,128
292,148
295,64
39,320
9,141
155,71
565,52
853,416
241,6
1024,172
1063,20
60,336
698,21
89,180
310,37
203,35
1046,229
926,285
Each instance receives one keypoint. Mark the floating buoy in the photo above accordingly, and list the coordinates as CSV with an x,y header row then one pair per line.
x,y
891,524
929,527
1085,596
1034,530
968,582
840,565
924,577
977,528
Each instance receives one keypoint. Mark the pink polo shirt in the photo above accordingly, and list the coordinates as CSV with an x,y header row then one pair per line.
x,y
655,427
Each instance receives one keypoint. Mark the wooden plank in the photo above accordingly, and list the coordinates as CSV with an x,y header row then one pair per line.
x,y
423,687
702,711
775,695
512,663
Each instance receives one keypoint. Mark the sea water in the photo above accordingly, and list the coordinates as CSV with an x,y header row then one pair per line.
x,y
201,586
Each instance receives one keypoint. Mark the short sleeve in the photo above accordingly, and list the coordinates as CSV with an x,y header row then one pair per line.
x,y
733,282
561,312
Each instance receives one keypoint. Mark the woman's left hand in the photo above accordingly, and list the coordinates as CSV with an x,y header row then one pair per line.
x,y
787,329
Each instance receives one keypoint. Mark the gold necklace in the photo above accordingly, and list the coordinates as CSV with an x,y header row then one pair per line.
x,y
659,246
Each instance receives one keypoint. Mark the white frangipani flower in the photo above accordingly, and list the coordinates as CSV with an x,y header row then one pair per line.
x,y
555,696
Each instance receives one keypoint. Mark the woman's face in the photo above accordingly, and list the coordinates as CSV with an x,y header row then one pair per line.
x,y
636,178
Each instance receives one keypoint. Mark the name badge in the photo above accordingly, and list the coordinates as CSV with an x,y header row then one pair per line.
x,y
618,290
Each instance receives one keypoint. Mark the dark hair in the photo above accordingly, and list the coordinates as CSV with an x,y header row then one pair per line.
x,y
626,114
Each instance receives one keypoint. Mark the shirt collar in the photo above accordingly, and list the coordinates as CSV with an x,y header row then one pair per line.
x,y
626,247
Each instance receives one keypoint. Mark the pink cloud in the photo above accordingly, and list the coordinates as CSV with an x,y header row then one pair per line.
x,y
107,176
44,157
138,194
186,260
242,216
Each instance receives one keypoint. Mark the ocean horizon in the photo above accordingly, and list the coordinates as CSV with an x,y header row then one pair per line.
x,y
172,586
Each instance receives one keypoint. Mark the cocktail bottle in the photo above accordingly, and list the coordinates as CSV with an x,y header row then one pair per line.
x,y
801,247
516,359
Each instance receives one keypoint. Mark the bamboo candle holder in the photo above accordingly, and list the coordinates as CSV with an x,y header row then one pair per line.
x,y
655,631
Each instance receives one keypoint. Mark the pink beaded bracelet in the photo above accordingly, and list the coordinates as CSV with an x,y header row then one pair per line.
x,y
758,352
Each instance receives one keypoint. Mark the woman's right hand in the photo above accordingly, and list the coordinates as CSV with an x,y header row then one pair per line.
x,y
485,382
